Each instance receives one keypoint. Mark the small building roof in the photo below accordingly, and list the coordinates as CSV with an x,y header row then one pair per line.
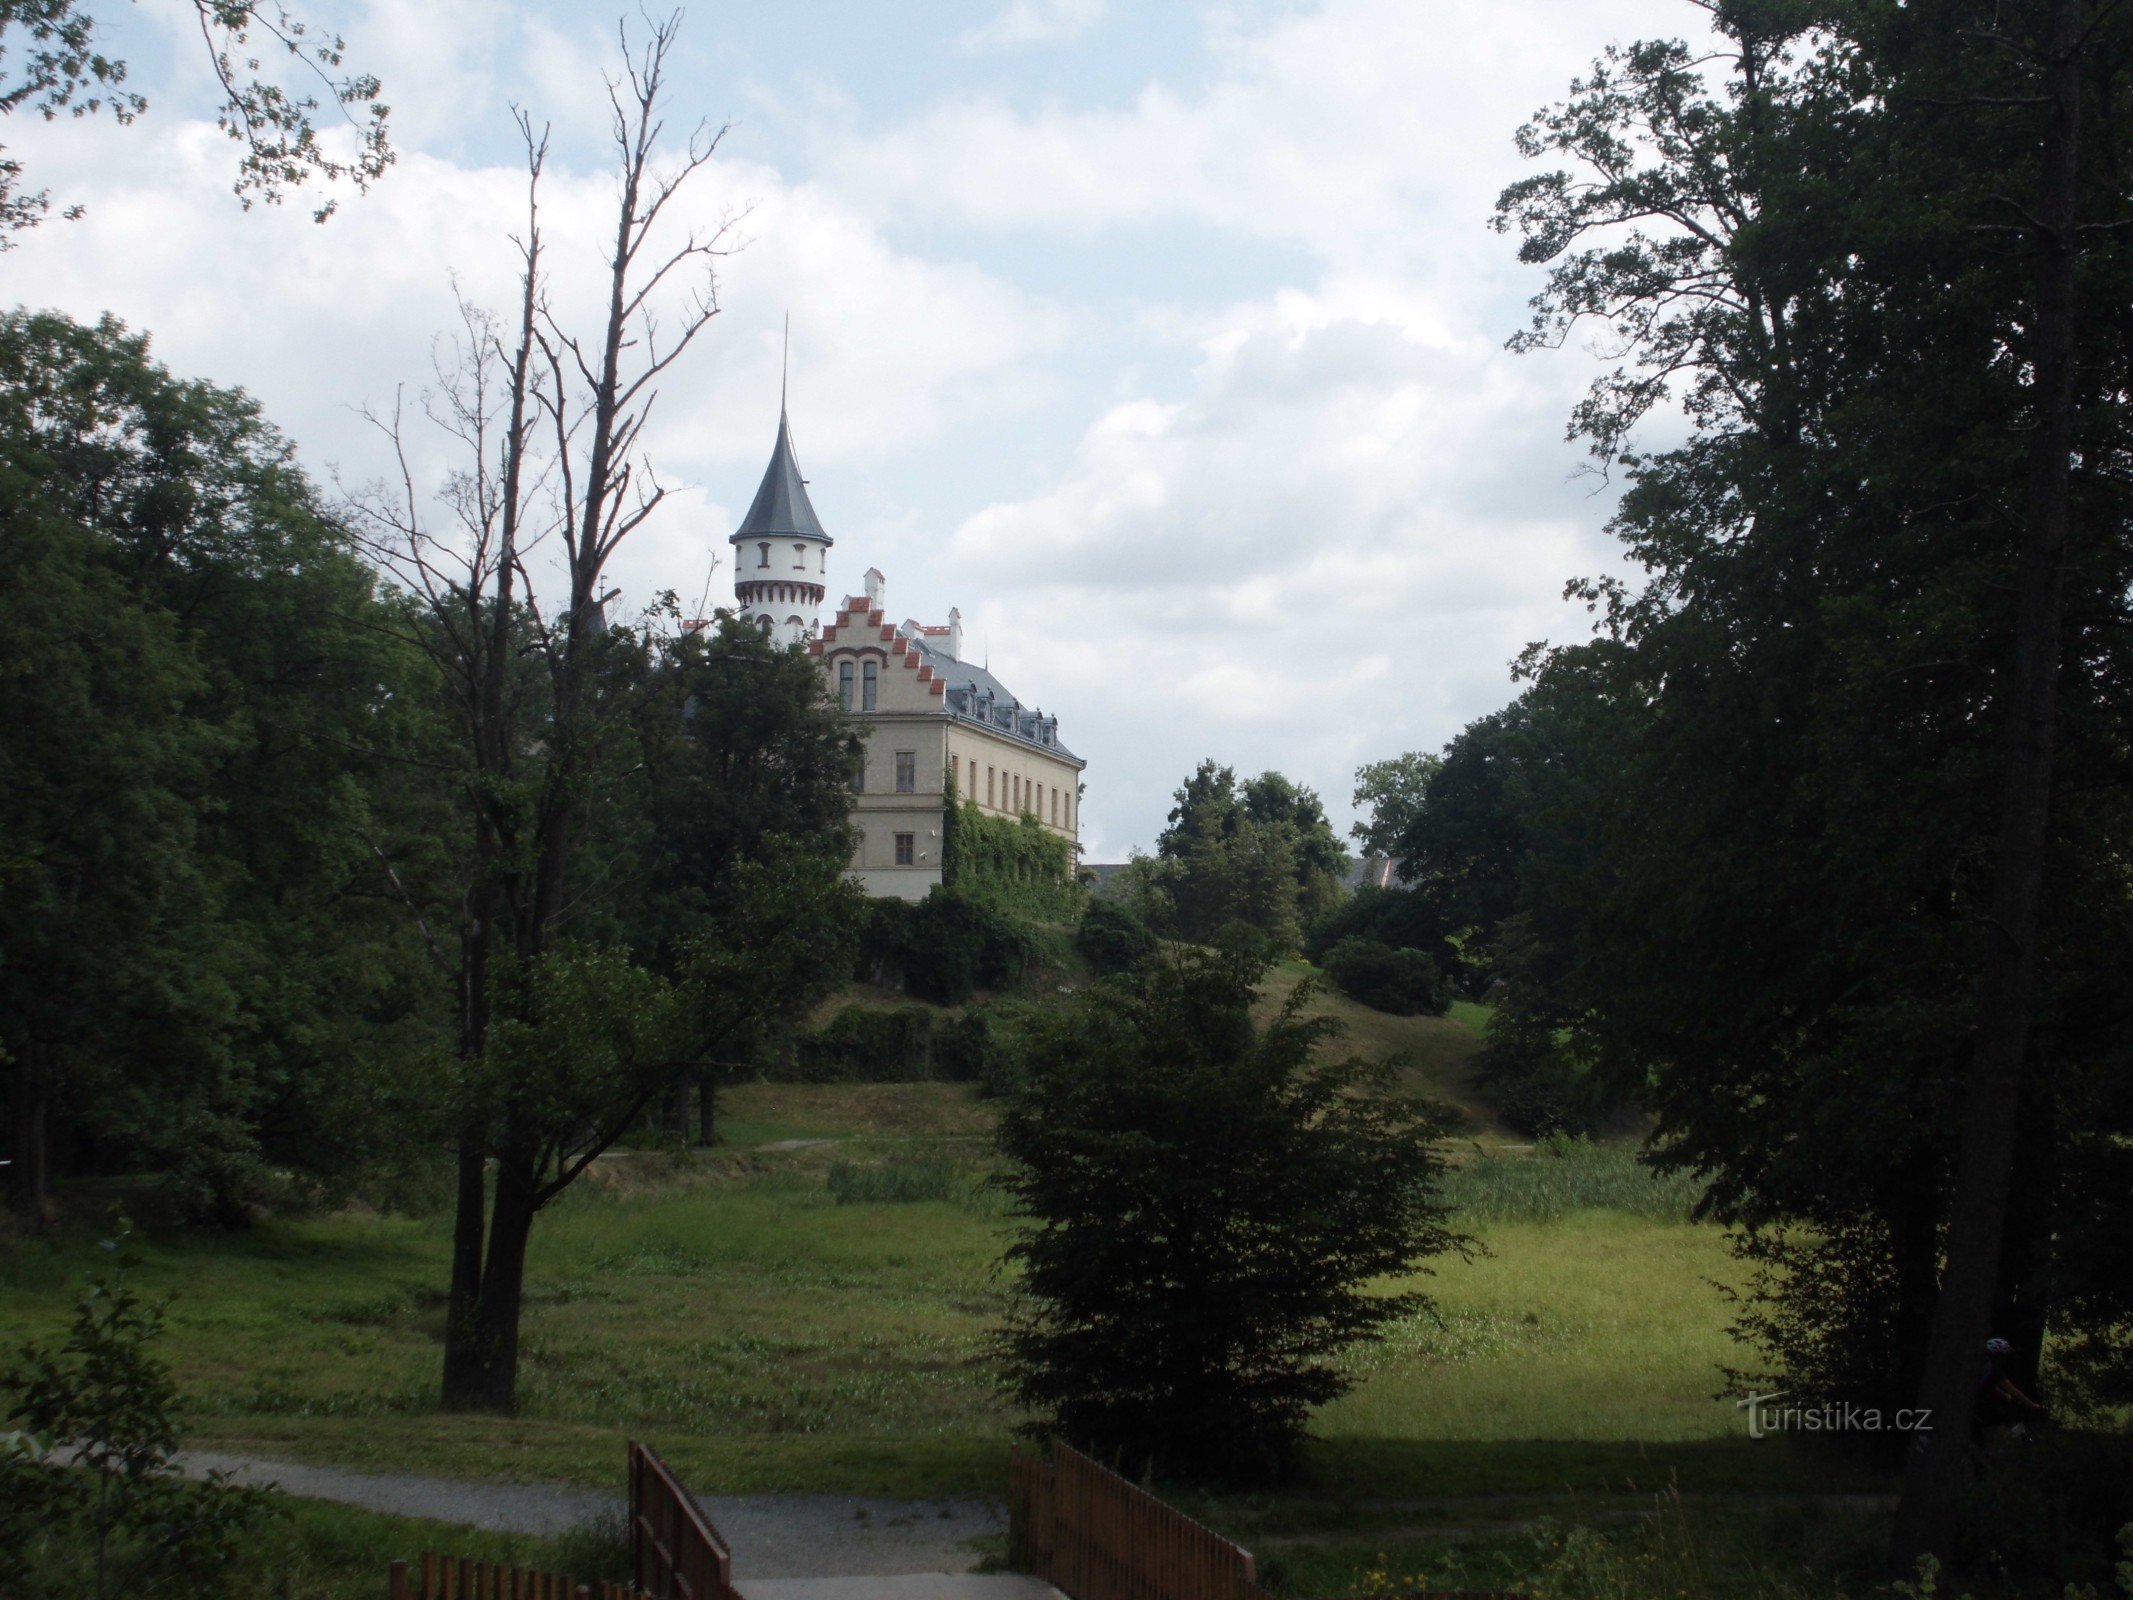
x,y
781,507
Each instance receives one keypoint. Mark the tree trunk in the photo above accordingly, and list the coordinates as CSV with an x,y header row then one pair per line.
x,y
503,1283
707,1110
1992,1099
462,1325
28,1179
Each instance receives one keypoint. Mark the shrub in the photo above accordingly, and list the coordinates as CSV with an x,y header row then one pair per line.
x,y
863,1045
1398,917
1205,1210
1113,939
125,1521
947,945
1525,1074
1404,982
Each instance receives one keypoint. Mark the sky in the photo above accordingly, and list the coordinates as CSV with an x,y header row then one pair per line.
x,y
1165,339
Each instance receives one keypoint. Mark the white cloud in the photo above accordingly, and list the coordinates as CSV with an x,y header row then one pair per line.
x,y
1325,553
1036,22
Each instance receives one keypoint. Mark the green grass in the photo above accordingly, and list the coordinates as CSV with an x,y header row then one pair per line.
x,y
1438,1052
1562,1176
733,1312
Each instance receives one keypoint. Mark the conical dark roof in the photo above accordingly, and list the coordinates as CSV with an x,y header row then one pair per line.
x,y
781,505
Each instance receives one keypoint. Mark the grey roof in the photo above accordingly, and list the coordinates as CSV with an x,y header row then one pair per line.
x,y
781,505
978,687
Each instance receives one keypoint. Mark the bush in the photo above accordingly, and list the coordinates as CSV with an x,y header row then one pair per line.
x,y
1404,982
1112,939
1526,1076
863,1045
1396,917
122,1520
945,946
1205,1211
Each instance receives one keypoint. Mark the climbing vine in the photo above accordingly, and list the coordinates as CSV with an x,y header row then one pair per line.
x,y
1019,866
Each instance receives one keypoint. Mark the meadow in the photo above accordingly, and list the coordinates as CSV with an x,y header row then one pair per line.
x,y
809,1308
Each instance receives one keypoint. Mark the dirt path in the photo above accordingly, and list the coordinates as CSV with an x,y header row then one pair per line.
x,y
773,1536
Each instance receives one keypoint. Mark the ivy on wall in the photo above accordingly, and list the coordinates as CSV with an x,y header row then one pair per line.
x,y
1018,866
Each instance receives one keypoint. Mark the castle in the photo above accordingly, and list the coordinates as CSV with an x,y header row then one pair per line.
x,y
931,721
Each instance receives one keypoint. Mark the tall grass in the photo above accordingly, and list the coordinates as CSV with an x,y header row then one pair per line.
x,y
1563,1175
896,1183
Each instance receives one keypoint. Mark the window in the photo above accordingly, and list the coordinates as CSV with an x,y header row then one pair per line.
x,y
907,772
988,786
903,849
859,773
799,557
954,765
762,555
870,687
1055,808
844,684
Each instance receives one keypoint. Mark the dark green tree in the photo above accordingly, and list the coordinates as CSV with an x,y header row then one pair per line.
x,y
1807,897
1261,852
1204,1207
198,945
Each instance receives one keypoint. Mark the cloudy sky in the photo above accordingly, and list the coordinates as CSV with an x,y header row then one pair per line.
x,y
1164,338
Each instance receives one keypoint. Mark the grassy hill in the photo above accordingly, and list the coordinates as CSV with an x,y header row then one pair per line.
x,y
1437,1052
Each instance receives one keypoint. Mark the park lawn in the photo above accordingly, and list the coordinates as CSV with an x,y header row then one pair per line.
x,y
724,1308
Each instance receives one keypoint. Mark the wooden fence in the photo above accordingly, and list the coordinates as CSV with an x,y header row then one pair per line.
x,y
1093,1535
675,1551
458,1578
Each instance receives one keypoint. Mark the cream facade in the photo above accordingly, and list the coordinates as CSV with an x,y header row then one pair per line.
x,y
931,720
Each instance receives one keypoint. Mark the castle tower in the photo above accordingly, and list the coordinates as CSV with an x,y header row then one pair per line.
x,y
780,553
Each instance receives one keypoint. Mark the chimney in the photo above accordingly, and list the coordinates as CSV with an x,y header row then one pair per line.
x,y
955,633
874,588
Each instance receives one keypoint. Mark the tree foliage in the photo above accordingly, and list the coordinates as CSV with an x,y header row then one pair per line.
x,y
1260,852
62,70
1205,1209
1756,849
199,955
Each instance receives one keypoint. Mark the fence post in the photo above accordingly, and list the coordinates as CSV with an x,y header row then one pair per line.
x,y
396,1581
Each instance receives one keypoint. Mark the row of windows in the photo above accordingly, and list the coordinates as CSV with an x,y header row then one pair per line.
x,y
1010,791
799,558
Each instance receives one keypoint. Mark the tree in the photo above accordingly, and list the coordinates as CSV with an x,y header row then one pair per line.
x,y
1261,852
1850,599
1391,794
565,1036
1203,1208
63,70
200,963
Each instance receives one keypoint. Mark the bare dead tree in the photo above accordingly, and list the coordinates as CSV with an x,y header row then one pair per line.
x,y
550,423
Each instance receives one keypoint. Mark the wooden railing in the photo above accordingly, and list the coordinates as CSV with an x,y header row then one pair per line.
x,y
675,1551
458,1578
1091,1534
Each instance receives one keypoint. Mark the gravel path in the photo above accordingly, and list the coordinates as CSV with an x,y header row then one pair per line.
x,y
773,1536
